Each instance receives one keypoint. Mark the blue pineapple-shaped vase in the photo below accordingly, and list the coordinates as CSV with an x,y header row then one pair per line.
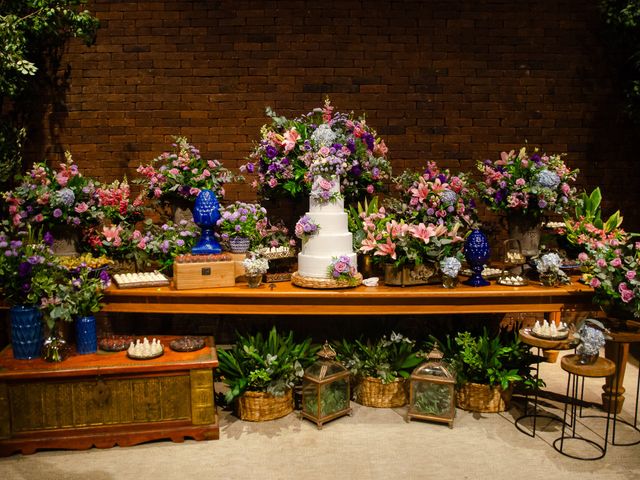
x,y
206,213
477,253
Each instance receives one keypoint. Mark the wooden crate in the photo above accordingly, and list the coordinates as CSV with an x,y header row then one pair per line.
x,y
239,268
204,274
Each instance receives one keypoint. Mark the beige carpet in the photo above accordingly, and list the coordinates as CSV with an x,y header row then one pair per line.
x,y
371,444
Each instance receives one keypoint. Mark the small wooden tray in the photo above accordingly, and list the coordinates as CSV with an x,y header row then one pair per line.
x,y
120,280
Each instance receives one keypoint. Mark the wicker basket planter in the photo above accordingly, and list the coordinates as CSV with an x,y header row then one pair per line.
x,y
262,406
477,397
371,392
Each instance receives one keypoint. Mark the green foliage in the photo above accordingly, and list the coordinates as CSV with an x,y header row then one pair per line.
x,y
356,217
333,398
588,207
498,360
265,364
433,399
386,359
623,21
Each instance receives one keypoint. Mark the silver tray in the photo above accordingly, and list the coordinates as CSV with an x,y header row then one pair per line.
x,y
145,357
522,284
562,336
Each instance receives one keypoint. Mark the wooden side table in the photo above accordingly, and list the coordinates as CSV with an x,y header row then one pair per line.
x,y
106,399
540,344
603,367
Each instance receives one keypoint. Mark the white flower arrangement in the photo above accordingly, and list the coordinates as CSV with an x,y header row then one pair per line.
x,y
450,266
255,265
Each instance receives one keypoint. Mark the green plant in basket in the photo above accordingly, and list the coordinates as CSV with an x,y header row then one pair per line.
x,y
386,359
270,364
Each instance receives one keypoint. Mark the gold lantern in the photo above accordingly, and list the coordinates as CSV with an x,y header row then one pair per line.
x,y
432,391
326,393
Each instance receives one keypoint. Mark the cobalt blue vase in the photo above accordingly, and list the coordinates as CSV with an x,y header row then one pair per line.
x,y
477,253
26,331
206,213
86,337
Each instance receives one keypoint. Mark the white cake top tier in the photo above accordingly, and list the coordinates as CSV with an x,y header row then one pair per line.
x,y
325,195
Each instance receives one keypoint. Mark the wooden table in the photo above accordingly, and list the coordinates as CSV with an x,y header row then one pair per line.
x,y
283,298
104,399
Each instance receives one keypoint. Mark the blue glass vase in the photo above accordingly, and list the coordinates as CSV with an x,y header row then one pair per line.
x,y
477,253
26,331
86,337
206,213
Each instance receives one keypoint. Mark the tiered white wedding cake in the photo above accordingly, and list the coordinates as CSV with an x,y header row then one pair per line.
x,y
333,238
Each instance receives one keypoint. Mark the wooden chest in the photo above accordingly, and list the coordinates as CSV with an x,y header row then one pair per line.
x,y
105,399
204,274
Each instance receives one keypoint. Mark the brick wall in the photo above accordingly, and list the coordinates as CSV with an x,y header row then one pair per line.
x,y
450,81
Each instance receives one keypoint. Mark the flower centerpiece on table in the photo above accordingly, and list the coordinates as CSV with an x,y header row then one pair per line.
x,y
528,184
306,227
549,266
164,242
122,242
51,197
275,236
341,270
116,205
450,266
613,271
182,173
288,148
241,219
255,265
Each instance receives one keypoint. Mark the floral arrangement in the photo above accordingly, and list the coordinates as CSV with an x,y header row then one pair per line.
x,y
436,196
182,173
288,148
400,243
274,236
255,265
27,265
450,266
341,269
122,241
591,335
242,219
53,197
550,264
306,227
325,190
387,358
164,242
532,185
115,203
612,270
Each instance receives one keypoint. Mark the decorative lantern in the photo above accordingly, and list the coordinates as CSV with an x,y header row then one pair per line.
x,y
326,393
432,391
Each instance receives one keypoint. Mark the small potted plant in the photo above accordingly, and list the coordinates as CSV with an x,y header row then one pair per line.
x,y
262,371
380,368
255,266
239,225
590,336
550,271
450,267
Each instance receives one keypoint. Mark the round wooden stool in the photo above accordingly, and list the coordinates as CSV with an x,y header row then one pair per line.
x,y
540,344
601,368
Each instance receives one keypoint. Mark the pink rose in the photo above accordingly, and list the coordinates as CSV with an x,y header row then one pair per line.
x,y
616,262
627,296
81,207
583,257
370,189
273,182
520,182
157,192
341,267
325,184
565,188
601,262
595,283
622,287
39,218
631,274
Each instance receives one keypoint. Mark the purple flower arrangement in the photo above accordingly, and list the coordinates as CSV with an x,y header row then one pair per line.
x,y
306,227
242,219
341,269
530,184
287,149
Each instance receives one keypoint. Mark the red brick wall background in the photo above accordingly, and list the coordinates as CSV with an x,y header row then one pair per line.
x,y
450,81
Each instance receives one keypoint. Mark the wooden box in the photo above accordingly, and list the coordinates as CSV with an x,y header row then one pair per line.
x,y
204,274
239,267
104,399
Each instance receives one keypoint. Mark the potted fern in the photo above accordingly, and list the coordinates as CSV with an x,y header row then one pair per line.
x,y
261,373
380,368
487,368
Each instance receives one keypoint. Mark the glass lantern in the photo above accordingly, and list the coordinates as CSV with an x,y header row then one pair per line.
x,y
432,392
326,393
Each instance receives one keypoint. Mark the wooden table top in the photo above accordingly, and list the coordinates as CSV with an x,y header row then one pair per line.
x,y
287,299
108,363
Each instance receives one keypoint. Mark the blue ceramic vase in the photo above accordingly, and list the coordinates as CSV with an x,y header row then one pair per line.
x,y
477,253
86,337
26,331
206,213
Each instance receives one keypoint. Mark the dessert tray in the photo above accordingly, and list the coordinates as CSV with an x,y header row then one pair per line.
x,y
187,344
549,331
136,280
115,343
145,349
488,273
512,281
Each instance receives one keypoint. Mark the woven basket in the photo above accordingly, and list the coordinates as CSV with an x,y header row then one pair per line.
x,y
371,392
262,406
325,283
477,397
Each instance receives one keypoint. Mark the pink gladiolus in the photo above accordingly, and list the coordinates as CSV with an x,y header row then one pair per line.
x,y
380,148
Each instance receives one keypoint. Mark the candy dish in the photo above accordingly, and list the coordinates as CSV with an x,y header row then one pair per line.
x,y
187,344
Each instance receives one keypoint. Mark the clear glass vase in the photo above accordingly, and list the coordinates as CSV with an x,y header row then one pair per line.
x,y
449,282
254,281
